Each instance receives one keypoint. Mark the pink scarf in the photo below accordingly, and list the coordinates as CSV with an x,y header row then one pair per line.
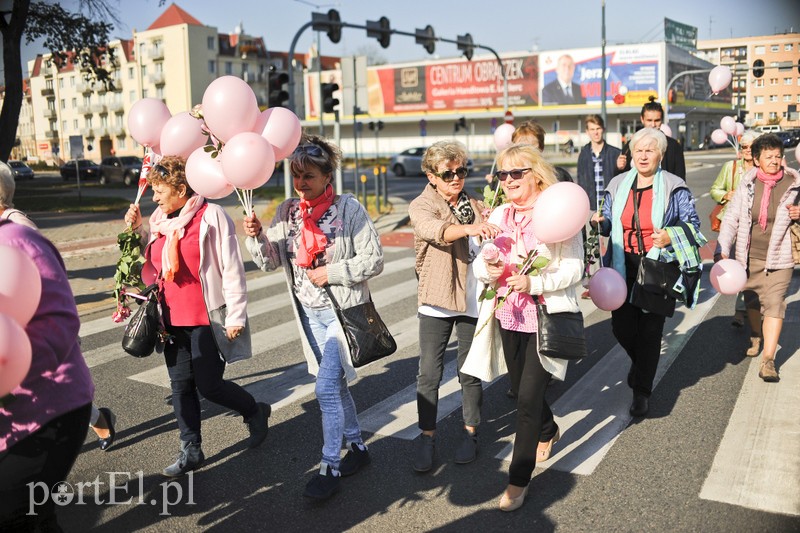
x,y
769,181
172,229
312,241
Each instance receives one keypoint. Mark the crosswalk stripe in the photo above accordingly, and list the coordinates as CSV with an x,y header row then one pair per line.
x,y
594,411
757,464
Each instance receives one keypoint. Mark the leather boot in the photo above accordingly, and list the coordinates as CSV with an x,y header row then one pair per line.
x,y
190,457
755,347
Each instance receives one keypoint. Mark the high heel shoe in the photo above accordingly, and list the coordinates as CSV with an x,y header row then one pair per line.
x,y
107,442
543,455
507,503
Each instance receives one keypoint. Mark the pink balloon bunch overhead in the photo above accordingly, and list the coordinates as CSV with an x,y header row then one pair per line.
x,y
719,78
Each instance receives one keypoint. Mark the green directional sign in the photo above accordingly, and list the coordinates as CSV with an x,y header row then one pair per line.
x,y
680,34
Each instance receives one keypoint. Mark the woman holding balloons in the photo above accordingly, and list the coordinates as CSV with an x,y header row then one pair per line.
x,y
44,421
323,241
663,200
192,246
526,238
756,225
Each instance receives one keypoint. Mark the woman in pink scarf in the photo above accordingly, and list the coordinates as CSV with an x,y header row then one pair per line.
x,y
192,244
757,223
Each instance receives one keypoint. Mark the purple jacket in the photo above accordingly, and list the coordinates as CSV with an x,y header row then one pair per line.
x,y
737,222
59,380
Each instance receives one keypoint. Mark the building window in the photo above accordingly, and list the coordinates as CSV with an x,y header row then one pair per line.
x,y
787,97
773,115
773,98
742,101
72,81
758,116
210,43
132,96
160,93
760,49
773,81
228,68
74,103
121,143
212,66
64,125
143,71
787,81
63,104
787,47
89,122
87,101
759,82
774,48
131,73
758,100
144,93
75,124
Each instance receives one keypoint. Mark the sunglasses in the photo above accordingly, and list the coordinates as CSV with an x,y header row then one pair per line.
x,y
449,175
308,149
163,172
515,174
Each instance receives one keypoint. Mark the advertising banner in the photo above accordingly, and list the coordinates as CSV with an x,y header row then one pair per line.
x,y
680,34
694,90
574,77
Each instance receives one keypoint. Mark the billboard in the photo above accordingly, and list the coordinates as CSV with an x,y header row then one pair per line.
x,y
694,89
680,34
574,77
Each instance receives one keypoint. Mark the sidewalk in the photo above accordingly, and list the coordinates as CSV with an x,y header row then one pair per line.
x,y
88,244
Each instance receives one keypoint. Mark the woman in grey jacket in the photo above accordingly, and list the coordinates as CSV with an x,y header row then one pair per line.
x,y
323,241
757,223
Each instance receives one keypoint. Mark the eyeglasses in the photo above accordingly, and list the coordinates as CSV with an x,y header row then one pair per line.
x,y
309,149
744,146
449,175
516,174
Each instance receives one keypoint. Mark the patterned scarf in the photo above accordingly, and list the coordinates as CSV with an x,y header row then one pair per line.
x,y
463,209
769,181
172,229
312,240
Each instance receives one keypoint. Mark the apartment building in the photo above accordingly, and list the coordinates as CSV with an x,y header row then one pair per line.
x,y
773,98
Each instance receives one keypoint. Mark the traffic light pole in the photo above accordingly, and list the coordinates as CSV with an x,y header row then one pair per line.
x,y
673,80
319,87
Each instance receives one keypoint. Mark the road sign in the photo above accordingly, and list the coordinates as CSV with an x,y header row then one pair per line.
x,y
76,146
509,117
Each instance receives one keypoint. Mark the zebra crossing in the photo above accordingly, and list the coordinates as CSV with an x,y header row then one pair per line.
x,y
592,413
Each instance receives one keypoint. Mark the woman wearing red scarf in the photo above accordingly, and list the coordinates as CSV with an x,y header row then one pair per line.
x,y
323,241
757,223
192,244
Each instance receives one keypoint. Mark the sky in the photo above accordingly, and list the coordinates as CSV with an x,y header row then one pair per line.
x,y
505,26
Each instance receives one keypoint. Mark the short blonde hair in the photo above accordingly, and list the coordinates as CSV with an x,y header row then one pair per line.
x,y
443,152
525,155
7,186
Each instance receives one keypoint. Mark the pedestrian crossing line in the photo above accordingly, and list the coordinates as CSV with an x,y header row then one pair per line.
x,y
757,464
594,411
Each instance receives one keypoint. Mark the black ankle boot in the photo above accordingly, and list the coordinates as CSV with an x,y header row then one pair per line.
x,y
190,457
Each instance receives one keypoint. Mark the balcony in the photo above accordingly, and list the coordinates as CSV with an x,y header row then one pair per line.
x,y
116,131
48,91
253,77
84,109
156,52
100,131
99,108
88,133
115,107
158,78
83,87
49,113
51,134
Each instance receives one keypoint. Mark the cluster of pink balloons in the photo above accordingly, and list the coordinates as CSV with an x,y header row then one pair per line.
x,y
253,141
560,212
20,292
728,276
727,126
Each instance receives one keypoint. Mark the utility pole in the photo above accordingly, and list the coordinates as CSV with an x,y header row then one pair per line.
x,y
603,64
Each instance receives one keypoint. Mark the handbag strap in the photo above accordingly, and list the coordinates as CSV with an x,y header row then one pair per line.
x,y
333,300
637,224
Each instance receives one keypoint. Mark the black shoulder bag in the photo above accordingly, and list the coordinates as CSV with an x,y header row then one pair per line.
x,y
560,335
653,290
142,332
367,336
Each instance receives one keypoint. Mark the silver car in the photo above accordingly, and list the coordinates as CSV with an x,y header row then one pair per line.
x,y
21,170
409,162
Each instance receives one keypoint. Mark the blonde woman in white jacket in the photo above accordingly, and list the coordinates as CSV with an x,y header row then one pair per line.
x,y
511,333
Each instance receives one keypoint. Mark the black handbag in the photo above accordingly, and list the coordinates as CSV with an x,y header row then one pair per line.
x,y
654,287
142,332
367,336
560,335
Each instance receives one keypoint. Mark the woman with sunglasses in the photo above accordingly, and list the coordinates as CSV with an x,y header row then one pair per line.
x,y
722,192
323,242
524,174
447,225
192,245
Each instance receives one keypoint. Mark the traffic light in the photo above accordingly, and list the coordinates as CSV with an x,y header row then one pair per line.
x,y
376,126
381,30
465,44
798,66
329,103
460,124
426,38
330,23
278,93
758,68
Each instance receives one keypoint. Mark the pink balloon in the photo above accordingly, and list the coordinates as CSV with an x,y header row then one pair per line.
x,y
182,135
205,176
146,119
281,128
719,78
666,130
229,107
739,129
20,285
719,136
728,276
15,354
248,160
607,289
728,125
560,212
502,136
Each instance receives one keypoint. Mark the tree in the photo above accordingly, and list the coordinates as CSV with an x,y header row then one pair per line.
x,y
70,36
374,57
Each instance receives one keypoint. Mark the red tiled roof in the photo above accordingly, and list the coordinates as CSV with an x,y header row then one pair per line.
x,y
173,16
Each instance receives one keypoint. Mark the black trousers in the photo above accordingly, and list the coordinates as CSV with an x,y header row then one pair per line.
x,y
45,456
529,379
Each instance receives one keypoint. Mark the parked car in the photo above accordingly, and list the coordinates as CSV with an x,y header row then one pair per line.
x,y
21,170
125,169
790,138
88,169
409,162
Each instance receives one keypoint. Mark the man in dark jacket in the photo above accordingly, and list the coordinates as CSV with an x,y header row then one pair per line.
x,y
653,117
597,162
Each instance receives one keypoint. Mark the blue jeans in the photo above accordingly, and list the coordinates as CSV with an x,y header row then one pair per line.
x,y
338,409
